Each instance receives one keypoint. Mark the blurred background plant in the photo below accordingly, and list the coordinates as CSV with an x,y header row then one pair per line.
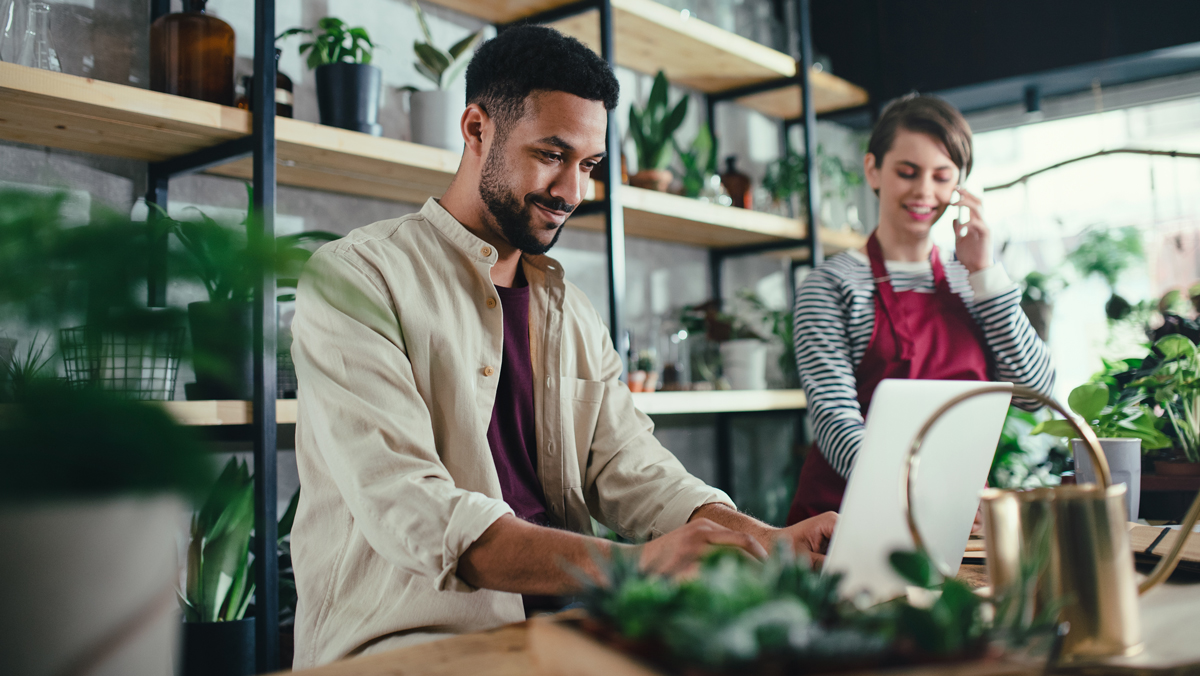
x,y
1108,253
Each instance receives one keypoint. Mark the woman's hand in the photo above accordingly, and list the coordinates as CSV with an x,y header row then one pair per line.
x,y
973,241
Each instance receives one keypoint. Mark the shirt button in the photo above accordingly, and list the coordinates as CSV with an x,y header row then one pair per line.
x,y
491,302
486,251
488,370
547,381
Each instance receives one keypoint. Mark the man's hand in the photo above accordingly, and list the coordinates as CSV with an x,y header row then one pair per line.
x,y
811,536
678,551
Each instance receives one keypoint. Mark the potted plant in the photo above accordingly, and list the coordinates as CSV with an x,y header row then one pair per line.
x,y
347,83
1125,425
1037,300
434,114
94,486
780,322
221,258
786,178
1108,254
218,638
700,179
1174,382
653,130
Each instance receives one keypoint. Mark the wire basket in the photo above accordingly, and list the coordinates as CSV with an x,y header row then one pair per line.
x,y
140,365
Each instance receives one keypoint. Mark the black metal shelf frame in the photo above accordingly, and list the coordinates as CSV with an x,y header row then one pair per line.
x,y
261,146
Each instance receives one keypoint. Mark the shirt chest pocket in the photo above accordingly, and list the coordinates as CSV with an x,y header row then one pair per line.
x,y
581,411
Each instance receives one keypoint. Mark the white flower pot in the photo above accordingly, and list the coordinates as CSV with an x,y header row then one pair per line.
x,y
744,363
90,582
1124,458
434,116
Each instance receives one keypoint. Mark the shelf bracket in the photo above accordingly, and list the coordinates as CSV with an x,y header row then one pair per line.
x,y
205,158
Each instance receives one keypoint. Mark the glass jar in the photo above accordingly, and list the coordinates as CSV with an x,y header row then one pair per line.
x,y
191,54
284,95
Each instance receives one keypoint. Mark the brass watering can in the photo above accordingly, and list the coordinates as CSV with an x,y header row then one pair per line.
x,y
1090,560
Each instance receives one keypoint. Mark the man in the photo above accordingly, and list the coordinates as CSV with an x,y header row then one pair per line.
x,y
461,414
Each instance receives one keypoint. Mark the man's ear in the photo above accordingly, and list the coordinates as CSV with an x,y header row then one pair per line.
x,y
477,127
871,170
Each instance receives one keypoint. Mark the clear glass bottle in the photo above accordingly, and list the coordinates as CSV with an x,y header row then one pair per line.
x,y
191,54
36,51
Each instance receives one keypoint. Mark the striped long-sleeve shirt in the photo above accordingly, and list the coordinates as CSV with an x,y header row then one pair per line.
x,y
834,319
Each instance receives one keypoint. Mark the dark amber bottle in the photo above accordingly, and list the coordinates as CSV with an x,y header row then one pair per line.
x,y
737,184
191,54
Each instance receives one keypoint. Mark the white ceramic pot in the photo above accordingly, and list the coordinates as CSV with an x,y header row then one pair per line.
x,y
89,587
744,363
1124,458
434,116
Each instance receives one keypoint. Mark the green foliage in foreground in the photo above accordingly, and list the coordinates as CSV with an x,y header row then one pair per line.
x,y
57,442
737,611
219,577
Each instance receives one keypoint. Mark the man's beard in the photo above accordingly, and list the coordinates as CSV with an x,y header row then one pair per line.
x,y
514,216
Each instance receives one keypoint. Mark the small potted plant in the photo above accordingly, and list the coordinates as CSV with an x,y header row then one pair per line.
x,y
1126,426
434,114
1108,254
347,83
218,638
786,178
700,179
221,257
653,130
1174,382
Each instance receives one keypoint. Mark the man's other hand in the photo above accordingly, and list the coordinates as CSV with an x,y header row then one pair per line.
x,y
811,536
677,552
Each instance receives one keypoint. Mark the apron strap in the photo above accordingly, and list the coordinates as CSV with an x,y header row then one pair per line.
x,y
886,296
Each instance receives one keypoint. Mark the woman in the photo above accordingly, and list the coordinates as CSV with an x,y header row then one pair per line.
x,y
899,308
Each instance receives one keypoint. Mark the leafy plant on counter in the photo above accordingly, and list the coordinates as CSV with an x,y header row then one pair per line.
x,y
1109,253
1126,417
653,127
737,614
223,259
219,578
1174,384
1024,460
441,67
335,43
699,162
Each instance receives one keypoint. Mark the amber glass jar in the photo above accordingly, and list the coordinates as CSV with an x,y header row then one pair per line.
x,y
191,54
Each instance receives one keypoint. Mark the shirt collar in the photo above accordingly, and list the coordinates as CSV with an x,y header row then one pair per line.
x,y
475,247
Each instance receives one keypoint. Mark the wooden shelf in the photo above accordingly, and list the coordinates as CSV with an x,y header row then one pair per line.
x,y
719,401
651,36
226,412
214,413
102,118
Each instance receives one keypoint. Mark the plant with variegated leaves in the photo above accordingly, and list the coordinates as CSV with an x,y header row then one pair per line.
x,y
441,67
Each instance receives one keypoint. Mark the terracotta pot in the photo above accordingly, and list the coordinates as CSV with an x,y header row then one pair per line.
x,y
1176,468
652,179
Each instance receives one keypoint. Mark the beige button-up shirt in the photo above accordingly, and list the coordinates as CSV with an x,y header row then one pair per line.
x,y
398,343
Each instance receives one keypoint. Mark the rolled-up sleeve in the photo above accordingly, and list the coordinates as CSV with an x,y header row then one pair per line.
x,y
372,427
634,485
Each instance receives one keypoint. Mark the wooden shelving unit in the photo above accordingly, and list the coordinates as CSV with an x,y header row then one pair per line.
x,y
218,413
74,113
694,54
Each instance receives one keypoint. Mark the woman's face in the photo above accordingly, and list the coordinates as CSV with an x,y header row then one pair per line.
x,y
914,183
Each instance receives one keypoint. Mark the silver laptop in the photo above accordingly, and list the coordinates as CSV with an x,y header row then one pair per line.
x,y
955,460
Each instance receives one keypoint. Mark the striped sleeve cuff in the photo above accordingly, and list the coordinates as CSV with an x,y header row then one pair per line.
x,y
990,282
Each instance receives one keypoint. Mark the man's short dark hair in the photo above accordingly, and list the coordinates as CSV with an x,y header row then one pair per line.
x,y
527,59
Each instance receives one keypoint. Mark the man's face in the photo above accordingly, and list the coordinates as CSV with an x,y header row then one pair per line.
x,y
535,175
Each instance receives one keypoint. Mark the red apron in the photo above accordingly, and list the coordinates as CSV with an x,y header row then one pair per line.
x,y
917,335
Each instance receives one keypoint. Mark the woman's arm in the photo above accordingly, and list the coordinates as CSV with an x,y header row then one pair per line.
x,y
1020,357
826,371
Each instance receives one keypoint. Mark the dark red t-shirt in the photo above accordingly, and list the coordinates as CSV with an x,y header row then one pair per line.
x,y
511,434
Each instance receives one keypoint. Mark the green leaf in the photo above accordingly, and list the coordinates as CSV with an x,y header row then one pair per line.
x,y
675,119
1175,346
658,95
464,44
422,23
432,58
915,568
1057,428
1088,400
289,515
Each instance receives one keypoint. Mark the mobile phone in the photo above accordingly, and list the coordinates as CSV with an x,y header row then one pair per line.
x,y
964,213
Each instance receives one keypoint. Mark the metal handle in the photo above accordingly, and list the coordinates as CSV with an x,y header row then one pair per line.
x,y
908,479
908,476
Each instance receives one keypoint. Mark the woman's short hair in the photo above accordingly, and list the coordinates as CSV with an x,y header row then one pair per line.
x,y
924,115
